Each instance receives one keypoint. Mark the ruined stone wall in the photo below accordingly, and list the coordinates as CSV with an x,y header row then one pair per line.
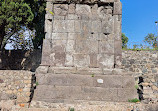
x,y
144,64
83,33
15,85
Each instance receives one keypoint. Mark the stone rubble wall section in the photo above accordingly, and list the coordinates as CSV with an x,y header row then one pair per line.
x,y
15,85
82,35
145,66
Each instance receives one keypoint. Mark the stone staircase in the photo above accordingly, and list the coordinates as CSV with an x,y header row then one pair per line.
x,y
76,85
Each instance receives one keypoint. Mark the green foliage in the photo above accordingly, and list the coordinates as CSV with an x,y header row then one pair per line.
x,y
134,100
71,109
124,41
16,14
151,39
37,83
92,75
38,9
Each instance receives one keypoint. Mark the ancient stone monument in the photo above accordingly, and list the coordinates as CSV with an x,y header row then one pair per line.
x,y
82,53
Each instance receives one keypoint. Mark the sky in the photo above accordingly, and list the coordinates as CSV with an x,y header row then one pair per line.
x,y
138,18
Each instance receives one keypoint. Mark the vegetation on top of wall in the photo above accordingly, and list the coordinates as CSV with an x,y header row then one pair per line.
x,y
150,43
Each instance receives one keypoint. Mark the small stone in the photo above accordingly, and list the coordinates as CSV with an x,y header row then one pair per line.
x,y
1,81
154,88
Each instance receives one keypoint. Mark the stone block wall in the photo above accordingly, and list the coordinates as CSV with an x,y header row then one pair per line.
x,y
144,64
83,33
15,85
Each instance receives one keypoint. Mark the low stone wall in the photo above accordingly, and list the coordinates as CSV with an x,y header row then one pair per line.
x,y
15,85
144,64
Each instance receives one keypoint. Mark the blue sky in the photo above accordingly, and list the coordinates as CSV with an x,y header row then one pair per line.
x,y
138,18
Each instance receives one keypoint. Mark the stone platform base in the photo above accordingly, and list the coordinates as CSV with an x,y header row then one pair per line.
x,y
85,106
66,86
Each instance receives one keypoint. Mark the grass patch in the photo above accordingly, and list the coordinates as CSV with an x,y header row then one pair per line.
x,y
134,100
92,75
71,109
37,83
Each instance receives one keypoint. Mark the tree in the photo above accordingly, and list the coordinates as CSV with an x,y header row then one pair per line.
x,y
38,9
150,39
124,41
14,14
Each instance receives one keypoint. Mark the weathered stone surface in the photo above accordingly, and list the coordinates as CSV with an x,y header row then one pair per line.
x,y
105,60
61,9
117,8
59,36
59,26
81,60
106,47
1,81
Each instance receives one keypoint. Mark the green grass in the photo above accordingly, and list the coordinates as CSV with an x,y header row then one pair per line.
x,y
37,83
134,100
92,75
138,49
71,109
137,86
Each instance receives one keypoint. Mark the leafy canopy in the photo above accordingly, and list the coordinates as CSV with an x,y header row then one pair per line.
x,y
14,13
150,39
124,41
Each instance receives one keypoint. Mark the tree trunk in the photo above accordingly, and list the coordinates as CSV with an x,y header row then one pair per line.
x,y
2,34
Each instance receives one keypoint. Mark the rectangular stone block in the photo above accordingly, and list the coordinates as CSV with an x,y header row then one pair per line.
x,y
81,60
70,47
59,36
72,36
96,26
72,17
69,61
61,9
126,94
106,47
92,46
94,15
107,26
105,60
93,36
71,8
108,81
81,47
77,26
66,80
62,70
76,93
128,82
118,47
99,94
83,9
93,60
70,26
59,45
85,27
117,8
48,26
59,26
58,59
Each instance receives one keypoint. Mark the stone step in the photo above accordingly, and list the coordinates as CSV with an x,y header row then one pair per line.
x,y
50,93
104,81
